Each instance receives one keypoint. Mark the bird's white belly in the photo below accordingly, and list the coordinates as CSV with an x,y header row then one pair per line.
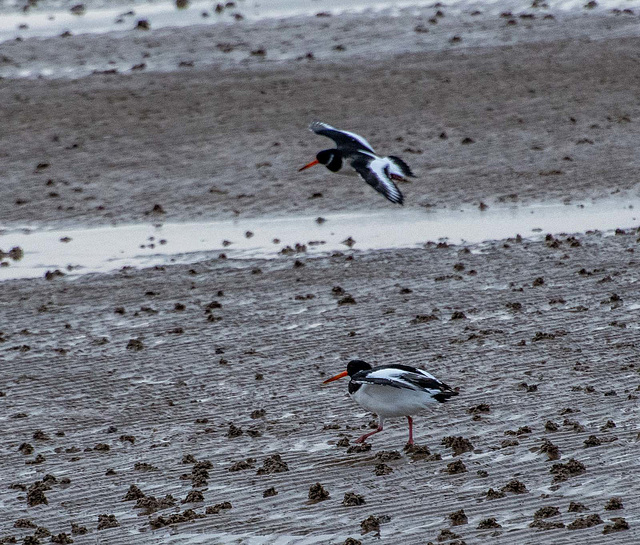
x,y
388,401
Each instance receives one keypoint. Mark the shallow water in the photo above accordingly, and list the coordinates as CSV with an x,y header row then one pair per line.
x,y
106,249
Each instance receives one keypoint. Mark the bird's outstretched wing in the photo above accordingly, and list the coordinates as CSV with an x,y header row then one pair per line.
x,y
375,171
345,140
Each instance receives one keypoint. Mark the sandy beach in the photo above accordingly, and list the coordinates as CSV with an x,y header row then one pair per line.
x,y
199,382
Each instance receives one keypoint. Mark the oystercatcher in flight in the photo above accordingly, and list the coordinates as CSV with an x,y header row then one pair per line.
x,y
393,390
378,172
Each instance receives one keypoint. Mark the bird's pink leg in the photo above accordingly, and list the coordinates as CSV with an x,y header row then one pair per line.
x,y
410,441
367,435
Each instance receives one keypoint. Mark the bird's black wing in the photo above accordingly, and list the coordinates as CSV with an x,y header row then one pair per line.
x,y
404,376
375,171
404,168
345,140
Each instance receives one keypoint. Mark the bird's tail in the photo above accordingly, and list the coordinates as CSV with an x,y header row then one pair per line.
x,y
445,395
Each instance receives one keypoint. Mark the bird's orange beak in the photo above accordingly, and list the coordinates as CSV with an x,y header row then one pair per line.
x,y
339,375
314,162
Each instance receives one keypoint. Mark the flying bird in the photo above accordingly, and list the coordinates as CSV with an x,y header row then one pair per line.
x,y
379,172
392,391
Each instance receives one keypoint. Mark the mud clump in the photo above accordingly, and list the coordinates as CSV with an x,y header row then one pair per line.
x,y
24,523
78,530
424,318
447,535
175,518
551,450
614,504
134,493
352,541
483,408
258,413
562,472
488,524
382,469
273,464
421,452
144,466
249,463
52,275
35,494
270,492
493,494
619,525
577,507
361,447
215,509
528,387
546,512
453,468
234,431
107,521
515,486
318,493
370,524
352,499
199,473
41,532
135,345
551,426
151,504
458,518
592,441
26,449
585,522
459,445
37,460
61,538
387,455
546,524
194,496
39,435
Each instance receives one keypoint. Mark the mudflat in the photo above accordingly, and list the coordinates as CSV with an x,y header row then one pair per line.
x,y
199,384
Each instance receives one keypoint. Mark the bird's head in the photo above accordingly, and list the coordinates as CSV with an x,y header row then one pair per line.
x,y
353,367
331,158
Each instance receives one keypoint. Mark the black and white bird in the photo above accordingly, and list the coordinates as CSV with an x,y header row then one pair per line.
x,y
392,391
378,172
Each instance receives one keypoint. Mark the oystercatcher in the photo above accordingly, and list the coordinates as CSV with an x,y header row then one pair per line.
x,y
393,390
378,172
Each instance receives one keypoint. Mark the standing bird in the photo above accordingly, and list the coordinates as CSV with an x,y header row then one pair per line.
x,y
393,390
378,172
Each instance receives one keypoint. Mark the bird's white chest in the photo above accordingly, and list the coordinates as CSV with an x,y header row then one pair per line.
x,y
388,401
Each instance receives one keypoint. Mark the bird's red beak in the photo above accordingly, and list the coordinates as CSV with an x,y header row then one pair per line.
x,y
314,162
339,375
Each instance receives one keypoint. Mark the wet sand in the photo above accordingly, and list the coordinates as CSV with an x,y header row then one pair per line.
x,y
205,377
